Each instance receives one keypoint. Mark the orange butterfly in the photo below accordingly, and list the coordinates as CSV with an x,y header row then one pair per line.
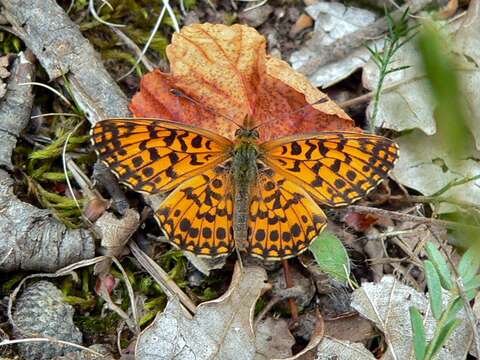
x,y
259,197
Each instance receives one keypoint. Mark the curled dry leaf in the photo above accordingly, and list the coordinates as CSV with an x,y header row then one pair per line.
x,y
115,233
220,329
387,304
227,73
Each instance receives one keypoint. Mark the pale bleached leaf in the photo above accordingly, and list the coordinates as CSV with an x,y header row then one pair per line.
x,y
331,348
333,21
387,304
220,329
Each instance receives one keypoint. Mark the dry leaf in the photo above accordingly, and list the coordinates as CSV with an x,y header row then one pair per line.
x,y
115,233
226,71
273,339
333,21
220,329
430,171
387,304
331,348
4,73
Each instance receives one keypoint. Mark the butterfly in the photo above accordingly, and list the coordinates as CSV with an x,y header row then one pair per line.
x,y
259,197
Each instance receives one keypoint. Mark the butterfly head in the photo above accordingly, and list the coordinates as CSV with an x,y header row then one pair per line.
x,y
247,134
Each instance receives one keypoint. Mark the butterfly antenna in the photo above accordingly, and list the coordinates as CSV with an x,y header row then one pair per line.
x,y
181,94
320,101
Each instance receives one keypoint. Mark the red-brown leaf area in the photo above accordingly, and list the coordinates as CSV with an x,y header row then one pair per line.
x,y
226,71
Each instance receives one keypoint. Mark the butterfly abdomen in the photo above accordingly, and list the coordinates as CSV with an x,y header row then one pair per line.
x,y
244,175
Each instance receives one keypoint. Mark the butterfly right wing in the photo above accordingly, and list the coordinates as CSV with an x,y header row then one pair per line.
x,y
197,215
152,156
284,219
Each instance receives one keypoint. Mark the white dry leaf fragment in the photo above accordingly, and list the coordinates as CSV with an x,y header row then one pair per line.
x,y
273,339
220,329
4,73
387,304
331,348
430,171
333,21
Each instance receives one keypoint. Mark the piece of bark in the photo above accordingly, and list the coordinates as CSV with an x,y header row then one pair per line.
x,y
41,312
16,106
31,238
62,50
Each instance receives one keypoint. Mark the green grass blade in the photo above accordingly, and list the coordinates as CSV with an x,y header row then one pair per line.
x,y
436,257
419,338
469,264
443,335
434,289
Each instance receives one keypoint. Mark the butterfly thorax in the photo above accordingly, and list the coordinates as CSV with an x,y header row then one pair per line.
x,y
244,175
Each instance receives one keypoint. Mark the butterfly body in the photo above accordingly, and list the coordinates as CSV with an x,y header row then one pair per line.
x,y
243,171
260,197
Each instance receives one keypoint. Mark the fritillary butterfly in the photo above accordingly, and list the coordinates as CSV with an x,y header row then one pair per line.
x,y
259,197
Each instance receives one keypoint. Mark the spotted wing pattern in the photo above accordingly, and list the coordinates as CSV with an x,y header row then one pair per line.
x,y
283,218
197,215
153,156
336,168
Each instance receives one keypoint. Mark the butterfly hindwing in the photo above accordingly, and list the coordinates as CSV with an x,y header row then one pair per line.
x,y
154,156
283,218
197,215
336,168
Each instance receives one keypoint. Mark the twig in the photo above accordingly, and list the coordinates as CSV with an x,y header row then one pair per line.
x,y
43,25
131,45
147,45
406,217
291,301
53,340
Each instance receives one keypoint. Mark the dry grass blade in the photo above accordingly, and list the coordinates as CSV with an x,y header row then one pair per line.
x,y
161,277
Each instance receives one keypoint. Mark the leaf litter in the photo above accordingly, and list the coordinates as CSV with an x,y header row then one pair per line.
x,y
271,338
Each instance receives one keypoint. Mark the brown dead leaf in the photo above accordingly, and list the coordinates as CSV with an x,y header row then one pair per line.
x,y
227,73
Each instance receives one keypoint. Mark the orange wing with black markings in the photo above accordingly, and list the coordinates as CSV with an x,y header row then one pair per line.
x,y
336,168
283,218
153,156
197,215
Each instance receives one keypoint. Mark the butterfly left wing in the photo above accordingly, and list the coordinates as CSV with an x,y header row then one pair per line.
x,y
197,215
153,155
336,168
283,218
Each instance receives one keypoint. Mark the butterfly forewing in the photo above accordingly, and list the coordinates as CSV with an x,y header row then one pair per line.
x,y
283,218
336,168
197,215
155,155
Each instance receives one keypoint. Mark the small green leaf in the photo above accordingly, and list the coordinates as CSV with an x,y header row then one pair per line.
x,y
331,256
419,339
453,309
442,337
469,264
434,289
436,257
